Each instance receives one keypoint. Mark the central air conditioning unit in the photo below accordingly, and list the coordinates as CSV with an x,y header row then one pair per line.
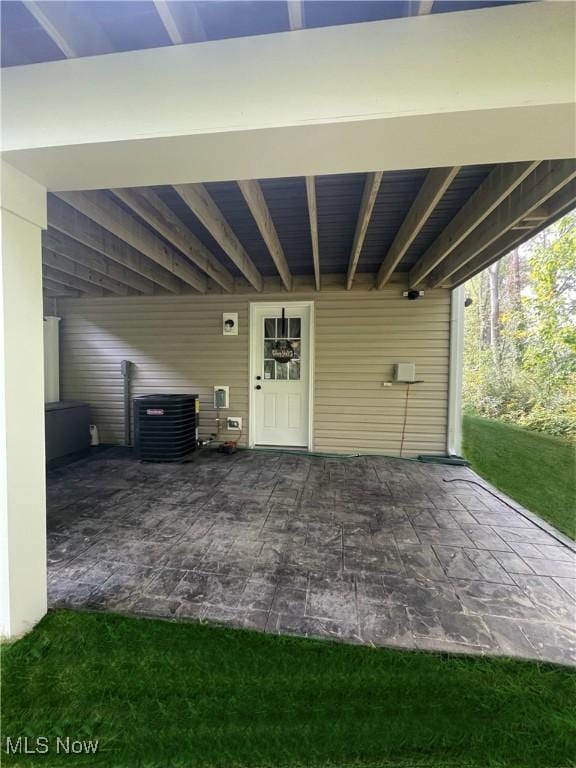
x,y
165,426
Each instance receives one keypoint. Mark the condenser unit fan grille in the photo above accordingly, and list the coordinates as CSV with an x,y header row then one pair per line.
x,y
165,426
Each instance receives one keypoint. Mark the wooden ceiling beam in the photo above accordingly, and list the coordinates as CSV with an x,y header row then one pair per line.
x,y
493,191
497,250
420,7
197,198
67,220
72,29
296,14
533,218
70,281
431,192
256,202
149,206
181,21
538,214
545,181
103,211
57,291
371,187
313,219
62,244
559,205
75,269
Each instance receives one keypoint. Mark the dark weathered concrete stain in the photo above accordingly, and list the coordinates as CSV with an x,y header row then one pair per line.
x,y
366,550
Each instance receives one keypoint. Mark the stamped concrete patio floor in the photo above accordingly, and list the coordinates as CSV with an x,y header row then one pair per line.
x,y
366,550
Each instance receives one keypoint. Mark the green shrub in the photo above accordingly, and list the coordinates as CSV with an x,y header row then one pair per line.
x,y
515,398
542,418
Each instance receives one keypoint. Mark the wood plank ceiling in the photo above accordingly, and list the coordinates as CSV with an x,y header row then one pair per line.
x,y
425,228
422,228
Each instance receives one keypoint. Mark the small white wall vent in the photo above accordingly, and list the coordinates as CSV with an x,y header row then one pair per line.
x,y
405,372
230,323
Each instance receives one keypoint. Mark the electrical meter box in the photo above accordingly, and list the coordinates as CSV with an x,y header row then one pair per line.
x,y
405,372
221,397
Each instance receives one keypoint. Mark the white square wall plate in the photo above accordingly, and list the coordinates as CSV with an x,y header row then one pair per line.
x,y
230,323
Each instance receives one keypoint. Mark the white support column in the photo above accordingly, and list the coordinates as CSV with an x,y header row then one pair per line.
x,y
22,466
454,436
51,359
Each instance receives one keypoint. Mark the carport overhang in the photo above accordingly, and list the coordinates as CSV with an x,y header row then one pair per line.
x,y
381,95
388,95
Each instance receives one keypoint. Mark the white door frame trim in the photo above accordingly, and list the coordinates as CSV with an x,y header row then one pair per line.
x,y
273,305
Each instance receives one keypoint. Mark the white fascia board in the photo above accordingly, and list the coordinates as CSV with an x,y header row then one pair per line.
x,y
447,89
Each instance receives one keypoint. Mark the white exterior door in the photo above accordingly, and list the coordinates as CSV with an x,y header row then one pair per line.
x,y
280,391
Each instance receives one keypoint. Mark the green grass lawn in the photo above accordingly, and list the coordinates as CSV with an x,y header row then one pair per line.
x,y
537,470
165,694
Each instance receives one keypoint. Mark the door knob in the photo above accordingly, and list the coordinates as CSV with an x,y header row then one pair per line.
x,y
258,386
258,378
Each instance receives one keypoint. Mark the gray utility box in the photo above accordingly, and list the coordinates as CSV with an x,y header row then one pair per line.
x,y
67,428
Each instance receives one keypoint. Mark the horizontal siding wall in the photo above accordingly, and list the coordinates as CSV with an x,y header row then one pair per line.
x,y
176,345
359,337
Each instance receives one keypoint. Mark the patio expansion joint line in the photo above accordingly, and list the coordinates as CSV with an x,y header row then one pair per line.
x,y
551,532
269,612
307,594
357,604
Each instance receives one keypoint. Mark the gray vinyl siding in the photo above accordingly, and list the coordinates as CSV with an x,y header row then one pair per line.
x,y
176,344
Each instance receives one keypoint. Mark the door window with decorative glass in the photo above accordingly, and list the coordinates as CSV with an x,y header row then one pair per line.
x,y
274,332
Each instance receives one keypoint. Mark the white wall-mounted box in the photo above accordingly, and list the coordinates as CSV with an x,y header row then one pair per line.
x,y
230,323
404,372
221,397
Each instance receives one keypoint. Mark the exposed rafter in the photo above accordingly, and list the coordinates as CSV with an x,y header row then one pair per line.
x,y
72,223
420,7
57,291
74,32
102,210
494,190
75,225
181,20
75,269
313,218
538,214
149,206
197,198
533,218
431,192
544,182
371,187
64,245
255,200
560,204
296,14
62,278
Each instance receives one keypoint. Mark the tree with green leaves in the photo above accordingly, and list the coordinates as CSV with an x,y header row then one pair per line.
x,y
520,335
